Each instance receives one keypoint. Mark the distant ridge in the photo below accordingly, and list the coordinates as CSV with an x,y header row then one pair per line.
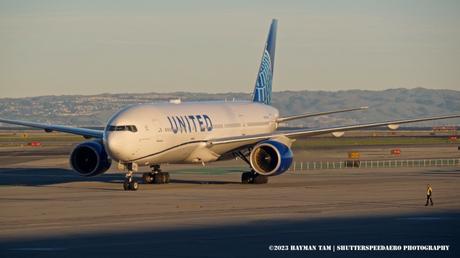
x,y
94,110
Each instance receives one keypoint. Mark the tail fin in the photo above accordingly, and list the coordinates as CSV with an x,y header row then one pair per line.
x,y
263,89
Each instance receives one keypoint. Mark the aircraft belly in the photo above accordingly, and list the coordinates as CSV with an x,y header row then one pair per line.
x,y
224,148
175,155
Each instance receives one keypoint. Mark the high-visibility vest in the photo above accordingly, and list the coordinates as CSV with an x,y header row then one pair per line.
x,y
429,191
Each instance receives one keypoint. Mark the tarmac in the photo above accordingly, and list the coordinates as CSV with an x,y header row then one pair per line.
x,y
47,210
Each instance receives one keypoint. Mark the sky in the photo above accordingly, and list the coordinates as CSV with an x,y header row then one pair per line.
x,y
63,47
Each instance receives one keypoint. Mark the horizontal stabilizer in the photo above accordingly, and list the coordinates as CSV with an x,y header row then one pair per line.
x,y
299,133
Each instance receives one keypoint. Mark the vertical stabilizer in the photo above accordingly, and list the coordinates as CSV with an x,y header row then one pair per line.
x,y
263,88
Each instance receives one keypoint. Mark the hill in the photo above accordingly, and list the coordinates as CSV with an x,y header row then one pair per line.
x,y
94,110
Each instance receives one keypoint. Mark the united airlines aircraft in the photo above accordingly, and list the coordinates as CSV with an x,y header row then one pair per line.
x,y
199,132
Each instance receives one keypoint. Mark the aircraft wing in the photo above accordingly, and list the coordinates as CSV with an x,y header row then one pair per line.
x,y
299,133
288,118
58,128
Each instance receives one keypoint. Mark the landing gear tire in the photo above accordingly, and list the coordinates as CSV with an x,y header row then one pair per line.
x,y
260,179
167,177
158,178
161,178
148,178
130,184
253,178
126,185
134,185
246,177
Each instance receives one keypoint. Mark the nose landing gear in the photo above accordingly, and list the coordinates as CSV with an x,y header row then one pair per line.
x,y
130,183
154,177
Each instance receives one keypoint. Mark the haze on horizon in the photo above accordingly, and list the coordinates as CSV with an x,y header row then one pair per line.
x,y
54,47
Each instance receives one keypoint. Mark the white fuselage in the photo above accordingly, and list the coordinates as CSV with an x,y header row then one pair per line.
x,y
178,132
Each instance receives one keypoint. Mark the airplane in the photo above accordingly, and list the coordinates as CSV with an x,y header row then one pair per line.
x,y
200,132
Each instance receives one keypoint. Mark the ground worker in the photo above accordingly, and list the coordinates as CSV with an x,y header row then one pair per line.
x,y
429,191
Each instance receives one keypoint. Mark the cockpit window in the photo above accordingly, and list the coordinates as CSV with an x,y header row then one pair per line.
x,y
131,128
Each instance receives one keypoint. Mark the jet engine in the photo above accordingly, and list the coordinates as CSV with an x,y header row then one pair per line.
x,y
90,158
270,158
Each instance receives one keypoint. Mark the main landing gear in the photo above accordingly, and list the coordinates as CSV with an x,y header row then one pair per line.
x,y
250,177
156,176
253,178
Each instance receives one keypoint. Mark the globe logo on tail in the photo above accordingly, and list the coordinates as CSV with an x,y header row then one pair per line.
x,y
262,91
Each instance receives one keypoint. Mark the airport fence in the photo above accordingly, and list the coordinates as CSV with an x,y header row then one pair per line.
x,y
394,163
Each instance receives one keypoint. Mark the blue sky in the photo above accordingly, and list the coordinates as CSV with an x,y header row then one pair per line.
x,y
90,47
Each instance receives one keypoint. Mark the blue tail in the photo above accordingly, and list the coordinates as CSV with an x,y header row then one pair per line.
x,y
263,89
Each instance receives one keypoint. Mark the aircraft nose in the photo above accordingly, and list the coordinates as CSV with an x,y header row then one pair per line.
x,y
115,147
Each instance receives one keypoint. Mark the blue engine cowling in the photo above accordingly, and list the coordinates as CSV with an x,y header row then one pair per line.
x,y
270,158
90,158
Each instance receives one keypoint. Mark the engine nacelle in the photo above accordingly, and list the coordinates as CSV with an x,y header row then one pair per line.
x,y
270,158
90,159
